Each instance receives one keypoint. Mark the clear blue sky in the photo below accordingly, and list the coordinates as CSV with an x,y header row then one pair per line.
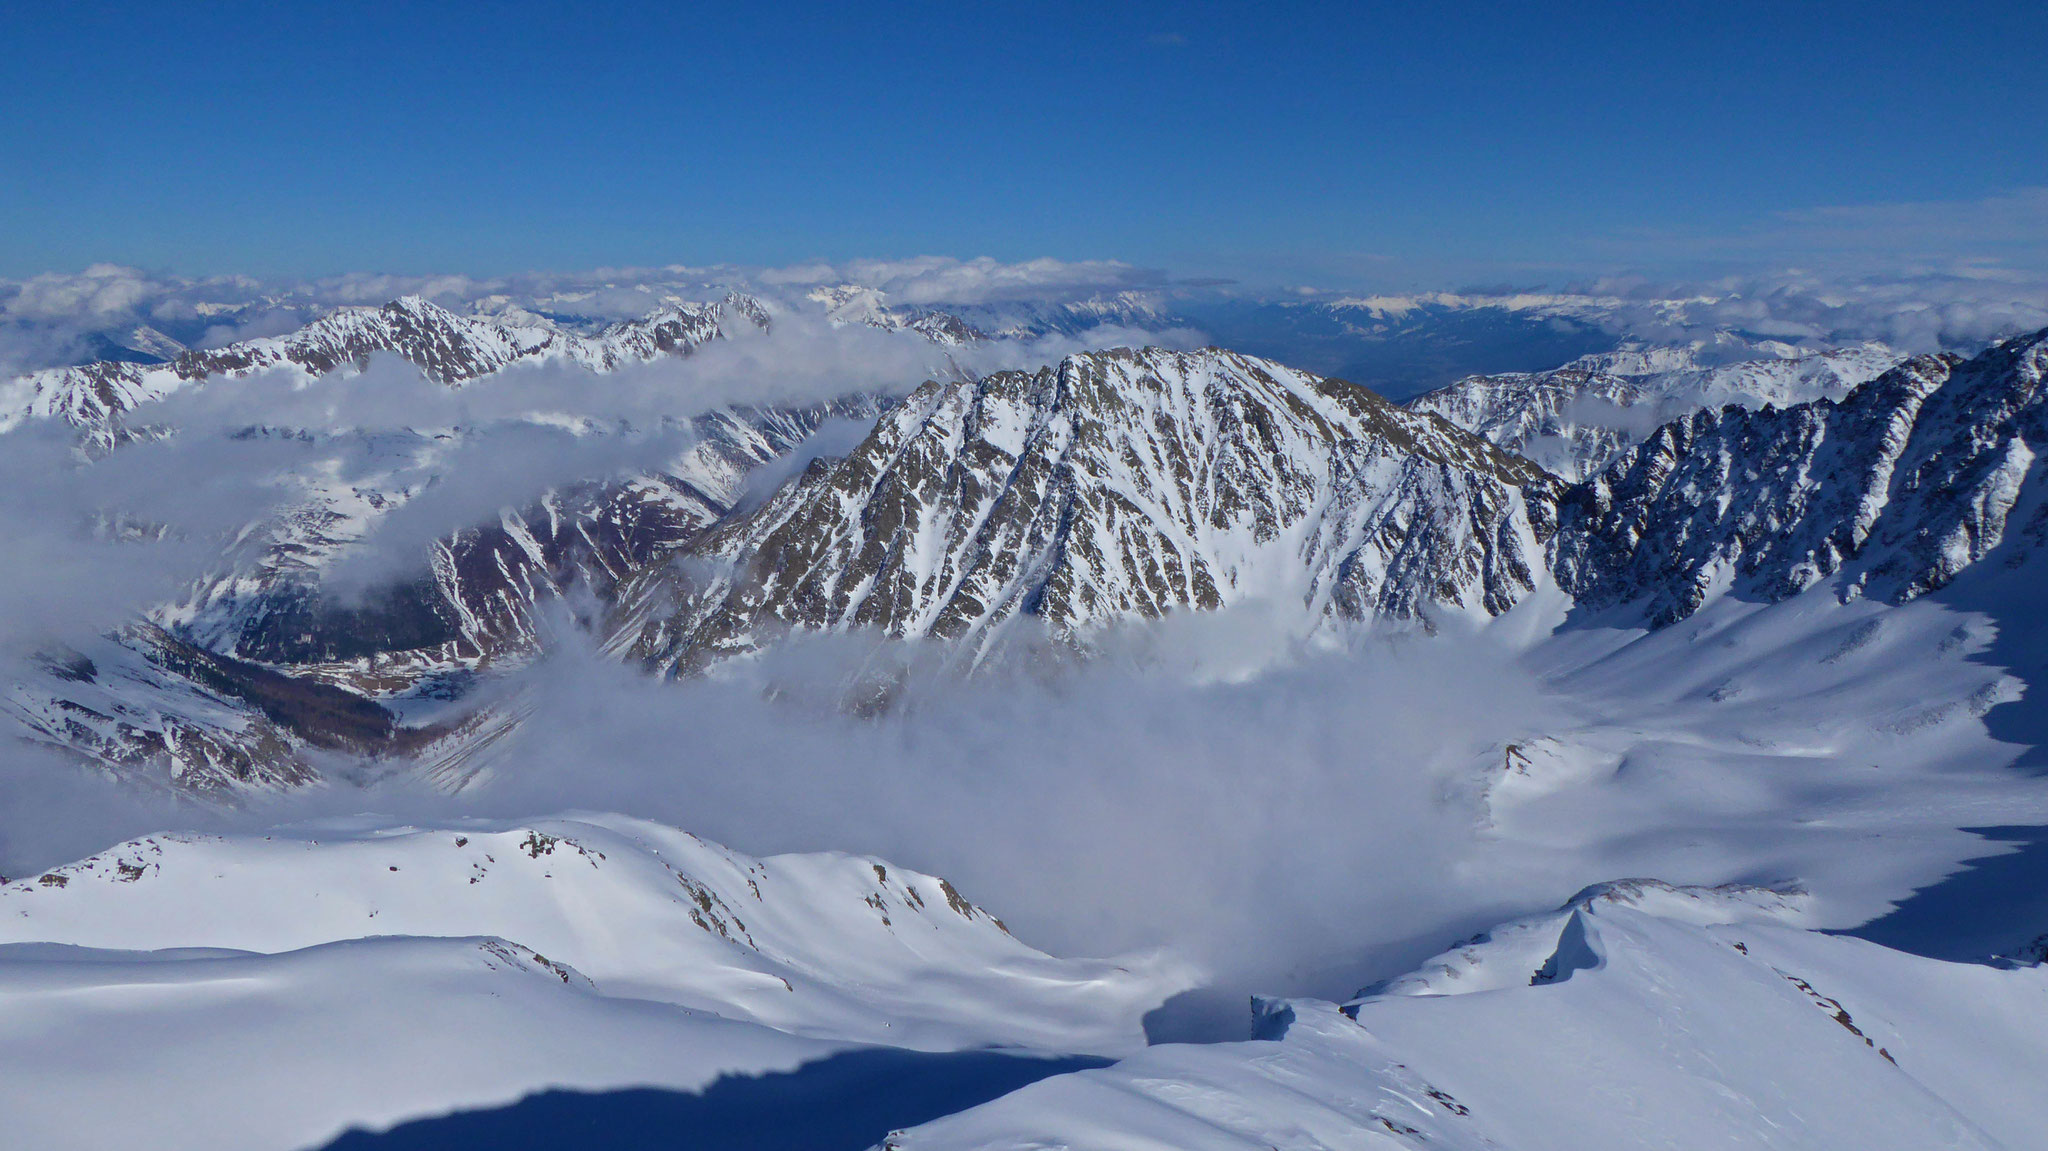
x,y
1357,139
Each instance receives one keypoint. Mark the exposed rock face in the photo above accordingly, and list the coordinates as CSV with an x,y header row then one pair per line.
x,y
1577,419
146,698
1117,484
1900,486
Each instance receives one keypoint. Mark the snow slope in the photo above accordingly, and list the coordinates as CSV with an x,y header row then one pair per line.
x,y
830,946
1639,1015
218,1050
270,991
1839,745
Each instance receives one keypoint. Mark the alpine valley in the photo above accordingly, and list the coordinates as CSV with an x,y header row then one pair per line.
x,y
1636,747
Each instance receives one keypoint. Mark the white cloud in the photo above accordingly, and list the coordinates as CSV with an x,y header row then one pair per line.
x,y
56,318
943,280
1926,312
1862,272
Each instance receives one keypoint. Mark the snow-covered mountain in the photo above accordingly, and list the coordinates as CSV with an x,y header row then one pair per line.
x,y
1638,1015
1117,485
595,950
447,347
965,322
832,946
1820,717
1896,488
260,662
1576,419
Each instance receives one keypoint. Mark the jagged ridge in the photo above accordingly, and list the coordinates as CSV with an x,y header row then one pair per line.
x,y
1575,420
447,347
1117,484
1897,488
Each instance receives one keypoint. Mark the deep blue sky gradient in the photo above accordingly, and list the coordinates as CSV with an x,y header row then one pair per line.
x,y
1379,143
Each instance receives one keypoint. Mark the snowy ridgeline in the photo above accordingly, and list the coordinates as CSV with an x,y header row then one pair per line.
x,y
269,992
1638,1016
1116,486
445,346
146,993
1577,419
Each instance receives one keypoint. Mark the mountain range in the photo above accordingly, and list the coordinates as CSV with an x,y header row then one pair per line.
x,y
445,346
1768,593
1113,486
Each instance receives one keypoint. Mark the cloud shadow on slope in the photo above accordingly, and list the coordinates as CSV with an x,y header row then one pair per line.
x,y
852,1100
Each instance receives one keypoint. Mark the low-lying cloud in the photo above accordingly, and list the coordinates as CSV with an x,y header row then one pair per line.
x,y
1269,825
110,310
93,543
1788,288
1921,313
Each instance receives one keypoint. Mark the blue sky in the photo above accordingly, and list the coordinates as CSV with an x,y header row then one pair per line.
x,y
1349,144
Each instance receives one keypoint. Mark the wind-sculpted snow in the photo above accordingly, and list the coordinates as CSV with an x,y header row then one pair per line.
x,y
1639,1015
213,1049
1897,488
1121,484
1577,419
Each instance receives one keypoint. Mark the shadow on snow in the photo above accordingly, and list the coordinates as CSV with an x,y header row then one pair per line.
x,y
1993,907
852,1100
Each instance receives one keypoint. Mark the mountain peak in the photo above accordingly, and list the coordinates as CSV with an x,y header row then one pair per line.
x,y
1127,482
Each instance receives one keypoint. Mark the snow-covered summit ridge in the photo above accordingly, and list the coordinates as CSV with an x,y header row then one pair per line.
x,y
1643,1015
829,946
961,323
1576,419
1526,951
448,347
